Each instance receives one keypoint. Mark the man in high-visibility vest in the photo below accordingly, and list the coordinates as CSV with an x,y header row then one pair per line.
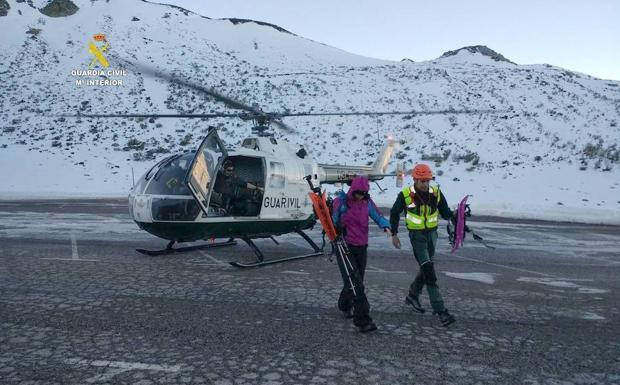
x,y
422,205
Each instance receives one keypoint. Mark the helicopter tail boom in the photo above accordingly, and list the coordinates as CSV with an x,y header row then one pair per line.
x,y
336,173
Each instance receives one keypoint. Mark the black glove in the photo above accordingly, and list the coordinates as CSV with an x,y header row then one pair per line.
x,y
340,229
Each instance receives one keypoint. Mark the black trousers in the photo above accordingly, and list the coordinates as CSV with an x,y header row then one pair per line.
x,y
347,300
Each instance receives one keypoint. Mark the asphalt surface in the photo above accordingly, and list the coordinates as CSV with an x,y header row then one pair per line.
x,y
78,306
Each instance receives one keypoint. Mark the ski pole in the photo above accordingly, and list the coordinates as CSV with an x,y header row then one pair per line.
x,y
346,263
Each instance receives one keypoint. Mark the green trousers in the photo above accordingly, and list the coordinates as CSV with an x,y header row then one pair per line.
x,y
423,243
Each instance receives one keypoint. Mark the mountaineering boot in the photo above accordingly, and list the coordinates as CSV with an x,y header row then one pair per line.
x,y
445,317
413,301
369,327
348,314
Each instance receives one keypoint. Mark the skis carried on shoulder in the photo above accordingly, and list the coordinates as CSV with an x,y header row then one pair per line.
x,y
339,246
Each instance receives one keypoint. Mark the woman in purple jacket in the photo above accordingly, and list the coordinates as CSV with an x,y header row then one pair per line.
x,y
350,215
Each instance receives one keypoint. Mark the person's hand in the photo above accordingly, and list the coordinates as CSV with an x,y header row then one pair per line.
x,y
396,241
387,231
339,229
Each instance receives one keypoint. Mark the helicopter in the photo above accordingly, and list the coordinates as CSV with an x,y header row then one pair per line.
x,y
177,199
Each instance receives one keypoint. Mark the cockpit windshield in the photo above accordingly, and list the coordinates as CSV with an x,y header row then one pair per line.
x,y
169,178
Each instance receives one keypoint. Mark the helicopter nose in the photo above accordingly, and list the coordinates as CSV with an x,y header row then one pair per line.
x,y
140,208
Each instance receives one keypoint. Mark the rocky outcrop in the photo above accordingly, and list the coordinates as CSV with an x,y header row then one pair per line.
x,y
481,49
59,8
4,8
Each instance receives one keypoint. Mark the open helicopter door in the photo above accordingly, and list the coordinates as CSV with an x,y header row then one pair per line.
x,y
201,175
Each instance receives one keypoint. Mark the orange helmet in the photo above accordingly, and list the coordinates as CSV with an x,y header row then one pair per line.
x,y
422,171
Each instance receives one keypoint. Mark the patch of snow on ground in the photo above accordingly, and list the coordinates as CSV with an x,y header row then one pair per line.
x,y
555,282
478,277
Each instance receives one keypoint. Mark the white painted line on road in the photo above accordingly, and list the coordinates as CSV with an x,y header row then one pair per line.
x,y
498,265
117,367
374,269
487,278
126,365
105,376
212,258
74,251
294,272
592,316
204,264
563,283
14,253
581,289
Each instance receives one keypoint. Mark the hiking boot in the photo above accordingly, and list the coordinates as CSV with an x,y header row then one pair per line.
x,y
415,303
446,318
369,327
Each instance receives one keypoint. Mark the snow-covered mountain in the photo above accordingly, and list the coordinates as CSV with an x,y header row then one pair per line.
x,y
550,151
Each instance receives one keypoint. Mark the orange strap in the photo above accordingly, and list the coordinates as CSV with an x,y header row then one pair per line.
x,y
322,212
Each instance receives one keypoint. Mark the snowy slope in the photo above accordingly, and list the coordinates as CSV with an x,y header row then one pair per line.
x,y
543,155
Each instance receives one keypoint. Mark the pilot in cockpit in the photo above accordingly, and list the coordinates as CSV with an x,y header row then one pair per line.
x,y
233,193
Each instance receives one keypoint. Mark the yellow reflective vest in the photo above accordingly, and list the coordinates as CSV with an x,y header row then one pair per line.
x,y
421,217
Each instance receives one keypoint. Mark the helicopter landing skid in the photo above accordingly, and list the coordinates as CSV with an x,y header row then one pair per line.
x,y
273,261
170,250
260,258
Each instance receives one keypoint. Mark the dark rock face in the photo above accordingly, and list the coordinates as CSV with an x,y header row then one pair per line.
x,y
236,21
481,49
59,8
4,8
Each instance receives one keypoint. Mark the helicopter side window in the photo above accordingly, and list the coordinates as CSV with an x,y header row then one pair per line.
x,y
276,174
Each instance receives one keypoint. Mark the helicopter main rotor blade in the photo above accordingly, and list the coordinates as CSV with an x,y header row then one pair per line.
x,y
254,112
284,126
228,101
371,113
153,116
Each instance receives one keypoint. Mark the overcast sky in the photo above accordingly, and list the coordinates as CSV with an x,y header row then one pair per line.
x,y
583,36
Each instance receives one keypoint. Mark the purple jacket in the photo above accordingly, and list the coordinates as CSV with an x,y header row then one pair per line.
x,y
353,215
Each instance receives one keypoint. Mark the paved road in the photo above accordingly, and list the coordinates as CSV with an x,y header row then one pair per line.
x,y
78,305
